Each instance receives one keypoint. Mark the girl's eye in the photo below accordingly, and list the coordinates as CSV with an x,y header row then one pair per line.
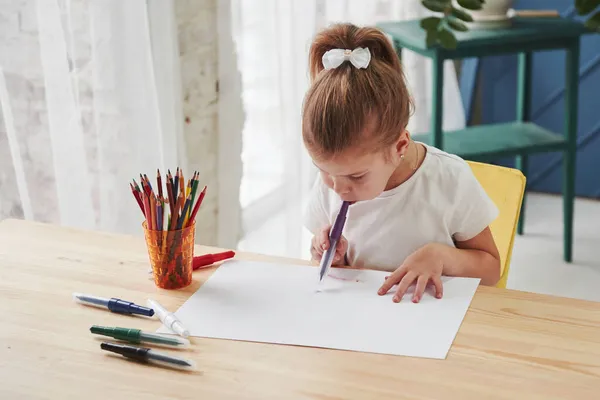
x,y
357,178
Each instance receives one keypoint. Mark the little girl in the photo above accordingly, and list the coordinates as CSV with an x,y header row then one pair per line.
x,y
417,211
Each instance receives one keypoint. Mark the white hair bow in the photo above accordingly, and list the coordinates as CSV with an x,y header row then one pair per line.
x,y
359,57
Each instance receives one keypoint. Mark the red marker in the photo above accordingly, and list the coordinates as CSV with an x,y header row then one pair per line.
x,y
210,259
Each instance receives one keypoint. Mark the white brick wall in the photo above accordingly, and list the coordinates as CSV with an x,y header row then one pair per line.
x,y
20,59
197,31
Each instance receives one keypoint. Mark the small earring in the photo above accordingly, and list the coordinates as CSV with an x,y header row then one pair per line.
x,y
401,157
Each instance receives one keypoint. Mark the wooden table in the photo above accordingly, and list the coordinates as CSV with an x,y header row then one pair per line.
x,y
512,345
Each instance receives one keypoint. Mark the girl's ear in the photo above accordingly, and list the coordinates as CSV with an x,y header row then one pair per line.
x,y
402,144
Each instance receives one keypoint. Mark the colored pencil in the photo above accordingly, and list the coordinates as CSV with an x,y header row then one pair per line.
x,y
169,177
137,198
181,182
136,186
182,217
159,216
180,204
159,183
148,182
175,210
176,184
174,216
194,190
170,195
147,210
143,184
152,212
197,206
145,188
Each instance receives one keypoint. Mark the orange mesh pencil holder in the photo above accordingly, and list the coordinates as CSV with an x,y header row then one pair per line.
x,y
171,255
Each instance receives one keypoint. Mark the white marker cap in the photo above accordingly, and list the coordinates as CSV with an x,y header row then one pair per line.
x,y
168,319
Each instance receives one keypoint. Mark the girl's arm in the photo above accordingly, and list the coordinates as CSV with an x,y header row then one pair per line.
x,y
474,258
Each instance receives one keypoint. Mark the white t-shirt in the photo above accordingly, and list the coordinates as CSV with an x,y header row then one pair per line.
x,y
440,203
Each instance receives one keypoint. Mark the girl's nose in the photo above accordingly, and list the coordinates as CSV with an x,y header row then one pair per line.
x,y
340,187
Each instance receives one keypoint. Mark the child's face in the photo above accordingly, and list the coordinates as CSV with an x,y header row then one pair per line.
x,y
356,176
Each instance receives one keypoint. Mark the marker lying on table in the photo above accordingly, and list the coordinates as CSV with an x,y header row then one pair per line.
x,y
138,336
145,354
114,305
209,259
168,319
334,237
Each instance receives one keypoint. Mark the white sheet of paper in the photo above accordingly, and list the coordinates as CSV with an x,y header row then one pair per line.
x,y
264,302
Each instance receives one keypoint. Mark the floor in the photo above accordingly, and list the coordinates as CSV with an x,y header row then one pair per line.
x,y
537,264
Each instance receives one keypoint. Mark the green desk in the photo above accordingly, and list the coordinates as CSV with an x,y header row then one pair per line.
x,y
521,137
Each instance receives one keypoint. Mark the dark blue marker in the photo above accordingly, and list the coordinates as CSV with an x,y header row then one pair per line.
x,y
114,305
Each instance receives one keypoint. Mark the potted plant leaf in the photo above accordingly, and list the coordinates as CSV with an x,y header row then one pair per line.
x,y
455,14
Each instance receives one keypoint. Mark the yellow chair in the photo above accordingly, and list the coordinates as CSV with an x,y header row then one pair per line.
x,y
506,187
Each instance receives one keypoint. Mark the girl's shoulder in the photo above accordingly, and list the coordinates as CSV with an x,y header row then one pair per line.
x,y
459,192
446,168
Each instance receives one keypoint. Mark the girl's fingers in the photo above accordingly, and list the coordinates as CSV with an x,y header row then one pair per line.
x,y
439,288
339,254
342,246
320,244
323,238
391,280
420,288
315,249
403,286
314,254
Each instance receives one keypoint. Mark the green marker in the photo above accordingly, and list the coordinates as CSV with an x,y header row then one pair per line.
x,y
137,336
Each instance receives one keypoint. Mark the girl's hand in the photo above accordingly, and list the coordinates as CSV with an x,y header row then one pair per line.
x,y
320,243
422,266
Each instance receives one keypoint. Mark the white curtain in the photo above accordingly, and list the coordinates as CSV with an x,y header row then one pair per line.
x,y
272,39
89,99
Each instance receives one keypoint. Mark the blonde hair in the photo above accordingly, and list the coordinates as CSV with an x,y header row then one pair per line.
x,y
345,103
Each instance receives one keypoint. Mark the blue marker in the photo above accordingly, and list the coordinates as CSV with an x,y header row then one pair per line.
x,y
114,305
